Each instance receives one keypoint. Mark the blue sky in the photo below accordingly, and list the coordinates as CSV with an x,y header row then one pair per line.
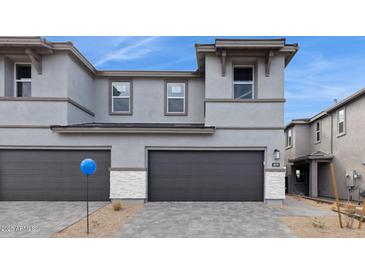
x,y
324,69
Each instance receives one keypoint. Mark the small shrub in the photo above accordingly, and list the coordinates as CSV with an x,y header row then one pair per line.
x,y
317,223
117,206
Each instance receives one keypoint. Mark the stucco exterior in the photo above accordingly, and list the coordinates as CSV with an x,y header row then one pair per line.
x,y
68,91
348,150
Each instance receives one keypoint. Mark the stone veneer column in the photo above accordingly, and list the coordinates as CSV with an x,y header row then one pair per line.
x,y
128,184
274,185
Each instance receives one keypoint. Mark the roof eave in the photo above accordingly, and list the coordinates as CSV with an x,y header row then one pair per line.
x,y
132,130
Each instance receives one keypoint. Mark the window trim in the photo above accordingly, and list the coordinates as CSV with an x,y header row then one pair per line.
x,y
110,91
318,131
338,123
166,98
244,82
287,145
29,80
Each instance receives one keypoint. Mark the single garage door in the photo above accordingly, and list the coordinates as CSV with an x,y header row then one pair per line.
x,y
205,176
52,175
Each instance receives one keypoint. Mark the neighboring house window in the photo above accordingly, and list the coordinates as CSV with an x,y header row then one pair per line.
x,y
175,98
23,80
318,132
341,121
121,97
243,82
289,137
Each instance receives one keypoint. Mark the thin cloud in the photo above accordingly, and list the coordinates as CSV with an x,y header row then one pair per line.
x,y
316,79
134,51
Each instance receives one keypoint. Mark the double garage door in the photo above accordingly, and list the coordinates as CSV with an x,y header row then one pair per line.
x,y
205,176
52,175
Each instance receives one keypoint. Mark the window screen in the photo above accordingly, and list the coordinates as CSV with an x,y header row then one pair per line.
x,y
243,83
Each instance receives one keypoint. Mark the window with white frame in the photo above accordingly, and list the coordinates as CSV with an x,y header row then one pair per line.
x,y
243,82
289,137
23,80
341,126
318,132
121,97
176,98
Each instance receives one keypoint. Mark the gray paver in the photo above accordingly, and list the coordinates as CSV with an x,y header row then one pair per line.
x,y
41,219
215,219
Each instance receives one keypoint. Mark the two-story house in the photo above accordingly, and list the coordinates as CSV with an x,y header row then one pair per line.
x,y
336,134
215,134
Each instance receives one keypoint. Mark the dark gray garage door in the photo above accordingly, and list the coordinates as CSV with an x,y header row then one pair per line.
x,y
205,176
52,175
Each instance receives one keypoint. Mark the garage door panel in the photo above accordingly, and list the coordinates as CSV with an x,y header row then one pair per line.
x,y
52,175
205,176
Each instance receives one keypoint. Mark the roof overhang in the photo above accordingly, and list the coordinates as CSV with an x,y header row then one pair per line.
x,y
38,46
296,122
152,74
137,128
35,47
357,95
347,100
246,48
307,158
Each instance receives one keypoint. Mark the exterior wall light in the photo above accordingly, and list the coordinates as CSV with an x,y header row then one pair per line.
x,y
276,154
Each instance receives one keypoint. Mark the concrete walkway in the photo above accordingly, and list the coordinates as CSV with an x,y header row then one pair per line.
x,y
215,219
40,219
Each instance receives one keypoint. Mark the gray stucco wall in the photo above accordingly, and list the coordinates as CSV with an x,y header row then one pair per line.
x,y
8,77
301,140
325,144
53,80
128,150
80,84
77,116
148,102
348,150
245,114
2,76
265,87
32,113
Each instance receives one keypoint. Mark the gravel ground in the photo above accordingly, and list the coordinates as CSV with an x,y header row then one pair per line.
x,y
303,226
103,223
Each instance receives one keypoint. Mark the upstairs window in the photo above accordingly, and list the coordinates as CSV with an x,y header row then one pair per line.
x,y
318,132
289,137
175,98
23,80
121,97
243,82
341,122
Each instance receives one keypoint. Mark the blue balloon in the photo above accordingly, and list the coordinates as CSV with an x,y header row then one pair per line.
x,y
88,166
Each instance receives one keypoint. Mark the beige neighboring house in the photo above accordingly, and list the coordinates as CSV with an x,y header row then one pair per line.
x,y
336,134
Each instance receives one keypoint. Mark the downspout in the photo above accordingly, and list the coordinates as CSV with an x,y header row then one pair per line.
x,y
331,133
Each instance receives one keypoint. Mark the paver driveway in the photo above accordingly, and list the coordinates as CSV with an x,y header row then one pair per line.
x,y
40,219
214,219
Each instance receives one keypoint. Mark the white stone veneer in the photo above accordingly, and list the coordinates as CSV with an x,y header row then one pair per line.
x,y
128,184
274,184
132,185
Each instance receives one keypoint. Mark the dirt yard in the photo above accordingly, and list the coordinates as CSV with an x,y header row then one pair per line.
x,y
104,222
323,226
